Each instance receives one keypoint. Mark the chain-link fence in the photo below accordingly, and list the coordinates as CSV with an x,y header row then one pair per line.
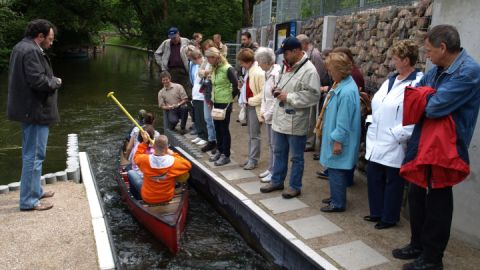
x,y
287,10
262,13
232,51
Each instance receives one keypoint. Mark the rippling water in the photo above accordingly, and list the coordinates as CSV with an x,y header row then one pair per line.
x,y
209,241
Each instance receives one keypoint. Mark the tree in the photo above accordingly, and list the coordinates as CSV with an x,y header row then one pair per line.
x,y
247,12
78,21
13,27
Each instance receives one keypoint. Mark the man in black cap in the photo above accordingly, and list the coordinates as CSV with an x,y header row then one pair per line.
x,y
171,56
298,89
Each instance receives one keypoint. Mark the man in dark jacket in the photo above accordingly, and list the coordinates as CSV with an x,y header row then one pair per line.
x,y
32,100
456,79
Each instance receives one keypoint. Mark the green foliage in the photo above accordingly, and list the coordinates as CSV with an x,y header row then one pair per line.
x,y
151,19
77,21
207,17
13,27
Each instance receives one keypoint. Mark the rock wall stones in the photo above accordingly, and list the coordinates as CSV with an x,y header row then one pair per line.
x,y
314,29
369,34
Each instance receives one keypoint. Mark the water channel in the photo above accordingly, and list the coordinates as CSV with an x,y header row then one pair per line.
x,y
209,241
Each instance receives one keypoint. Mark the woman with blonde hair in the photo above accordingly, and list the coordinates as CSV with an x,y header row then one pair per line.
x,y
340,130
225,88
387,138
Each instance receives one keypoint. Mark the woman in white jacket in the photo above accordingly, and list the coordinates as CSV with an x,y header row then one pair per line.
x,y
387,138
265,58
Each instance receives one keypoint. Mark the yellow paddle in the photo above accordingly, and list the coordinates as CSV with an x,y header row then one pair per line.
x,y
110,95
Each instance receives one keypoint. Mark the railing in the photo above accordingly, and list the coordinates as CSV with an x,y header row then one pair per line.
x,y
262,13
232,51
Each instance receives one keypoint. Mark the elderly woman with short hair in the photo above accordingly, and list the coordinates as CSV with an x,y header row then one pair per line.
x,y
387,138
340,130
251,99
265,58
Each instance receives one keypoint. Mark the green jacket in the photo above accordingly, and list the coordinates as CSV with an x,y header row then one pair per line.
x,y
222,87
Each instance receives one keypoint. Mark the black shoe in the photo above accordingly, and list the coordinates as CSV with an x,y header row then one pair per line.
x,y
244,124
422,264
331,209
308,149
407,252
214,157
327,200
270,187
322,175
316,157
371,219
384,225
222,160
210,146
182,131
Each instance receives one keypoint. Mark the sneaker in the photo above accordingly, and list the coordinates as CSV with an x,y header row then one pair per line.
x,y
215,157
250,166
266,179
291,193
196,140
264,174
271,187
210,146
222,160
201,142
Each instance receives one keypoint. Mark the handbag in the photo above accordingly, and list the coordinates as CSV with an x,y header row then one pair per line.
x,y
242,116
219,114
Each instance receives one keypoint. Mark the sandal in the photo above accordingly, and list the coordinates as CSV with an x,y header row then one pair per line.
x,y
47,194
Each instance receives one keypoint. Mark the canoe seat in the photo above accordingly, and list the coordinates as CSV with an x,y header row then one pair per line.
x,y
169,207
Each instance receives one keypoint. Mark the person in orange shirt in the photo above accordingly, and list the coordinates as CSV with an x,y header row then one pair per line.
x,y
159,170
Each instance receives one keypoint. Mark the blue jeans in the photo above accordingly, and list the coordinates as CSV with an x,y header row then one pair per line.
x,y
34,146
283,144
207,114
350,176
136,182
385,192
338,179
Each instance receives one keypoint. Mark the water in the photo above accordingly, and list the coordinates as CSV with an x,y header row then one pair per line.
x,y
209,241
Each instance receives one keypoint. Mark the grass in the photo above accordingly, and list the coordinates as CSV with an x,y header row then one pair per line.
x,y
118,40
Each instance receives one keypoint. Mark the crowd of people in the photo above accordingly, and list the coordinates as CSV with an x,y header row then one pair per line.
x,y
317,102
417,126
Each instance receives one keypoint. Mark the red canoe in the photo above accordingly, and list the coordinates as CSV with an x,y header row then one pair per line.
x,y
166,221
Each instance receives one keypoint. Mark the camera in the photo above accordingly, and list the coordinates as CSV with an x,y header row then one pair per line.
x,y
276,91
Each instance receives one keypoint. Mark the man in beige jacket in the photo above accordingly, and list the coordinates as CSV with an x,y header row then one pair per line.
x,y
298,89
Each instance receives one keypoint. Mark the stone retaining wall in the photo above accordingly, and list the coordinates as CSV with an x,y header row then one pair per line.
x,y
370,33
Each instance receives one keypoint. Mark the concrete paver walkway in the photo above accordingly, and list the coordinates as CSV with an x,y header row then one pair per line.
x,y
59,238
345,239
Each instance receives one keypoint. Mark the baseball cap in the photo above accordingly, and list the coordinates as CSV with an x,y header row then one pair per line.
x,y
288,44
172,31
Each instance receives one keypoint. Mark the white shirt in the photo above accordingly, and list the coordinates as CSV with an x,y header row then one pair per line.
x,y
386,136
197,84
